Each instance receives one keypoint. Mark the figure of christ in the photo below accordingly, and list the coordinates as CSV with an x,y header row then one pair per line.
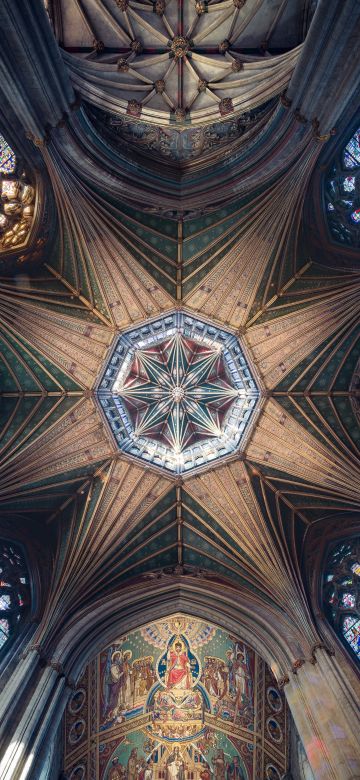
x,y
178,674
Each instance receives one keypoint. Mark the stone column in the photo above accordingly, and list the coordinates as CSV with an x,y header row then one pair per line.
x,y
33,80
13,692
23,744
326,717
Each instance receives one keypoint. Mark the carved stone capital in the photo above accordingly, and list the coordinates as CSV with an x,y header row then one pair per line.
x,y
283,681
298,663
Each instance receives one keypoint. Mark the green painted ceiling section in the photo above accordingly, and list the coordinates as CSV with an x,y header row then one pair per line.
x,y
153,545
286,523
323,422
44,499
74,264
24,369
24,419
304,289
311,502
329,367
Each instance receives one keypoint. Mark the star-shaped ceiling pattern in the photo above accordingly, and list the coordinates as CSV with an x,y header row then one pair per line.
x,y
178,392
238,264
301,460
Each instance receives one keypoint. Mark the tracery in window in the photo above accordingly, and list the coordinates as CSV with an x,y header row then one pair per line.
x,y
7,157
17,200
342,592
342,194
14,590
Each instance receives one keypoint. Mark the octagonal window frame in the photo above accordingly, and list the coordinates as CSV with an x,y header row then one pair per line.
x,y
155,330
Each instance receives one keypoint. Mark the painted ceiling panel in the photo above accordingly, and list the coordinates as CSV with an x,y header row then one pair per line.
x,y
137,240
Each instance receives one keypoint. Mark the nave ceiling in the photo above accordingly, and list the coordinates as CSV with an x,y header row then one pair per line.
x,y
125,248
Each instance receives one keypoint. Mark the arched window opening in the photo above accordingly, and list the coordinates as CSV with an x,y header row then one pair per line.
x,y
342,592
14,591
342,194
17,199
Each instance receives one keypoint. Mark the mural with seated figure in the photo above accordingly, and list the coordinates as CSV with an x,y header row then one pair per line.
x,y
179,699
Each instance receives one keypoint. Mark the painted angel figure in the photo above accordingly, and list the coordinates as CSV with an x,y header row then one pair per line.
x,y
240,682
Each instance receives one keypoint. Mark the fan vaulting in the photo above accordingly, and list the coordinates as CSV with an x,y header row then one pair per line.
x,y
222,239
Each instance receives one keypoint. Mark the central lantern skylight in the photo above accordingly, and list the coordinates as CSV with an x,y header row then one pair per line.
x,y
178,393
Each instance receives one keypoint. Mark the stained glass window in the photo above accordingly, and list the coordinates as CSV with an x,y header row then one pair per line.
x,y
342,194
14,590
7,157
17,200
342,592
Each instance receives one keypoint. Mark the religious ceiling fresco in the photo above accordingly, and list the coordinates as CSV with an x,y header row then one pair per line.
x,y
178,699
178,392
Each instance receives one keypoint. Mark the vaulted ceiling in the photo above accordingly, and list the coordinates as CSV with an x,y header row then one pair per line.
x,y
219,236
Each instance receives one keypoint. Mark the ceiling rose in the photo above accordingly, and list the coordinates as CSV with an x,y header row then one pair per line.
x,y
177,392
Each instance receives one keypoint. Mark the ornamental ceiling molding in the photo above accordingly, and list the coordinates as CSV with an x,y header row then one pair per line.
x,y
166,269
228,495
256,159
105,510
75,440
183,149
277,441
269,237
256,82
76,346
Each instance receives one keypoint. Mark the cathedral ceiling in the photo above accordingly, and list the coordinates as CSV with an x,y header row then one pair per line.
x,y
230,256
165,62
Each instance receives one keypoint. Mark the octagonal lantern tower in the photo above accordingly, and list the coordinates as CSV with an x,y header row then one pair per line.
x,y
178,393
